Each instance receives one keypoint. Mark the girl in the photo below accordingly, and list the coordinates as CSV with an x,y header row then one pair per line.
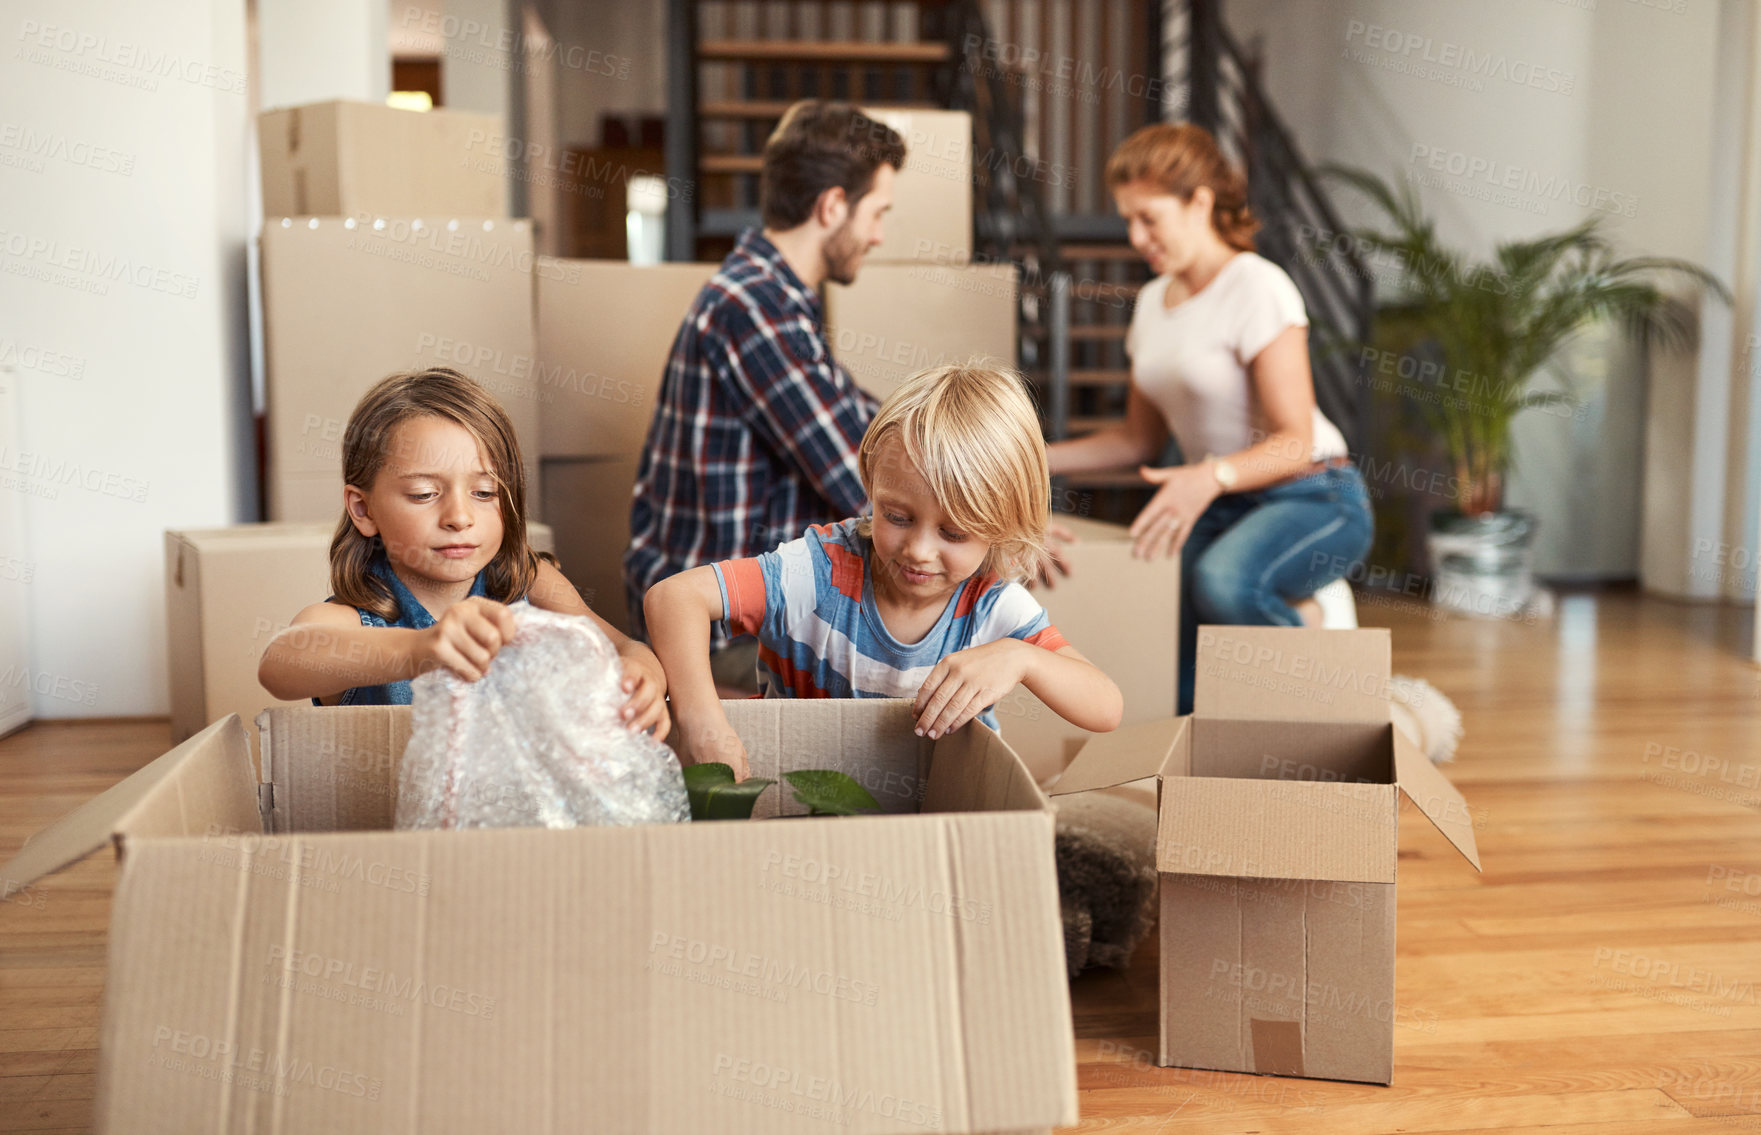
x,y
918,600
430,549
1267,507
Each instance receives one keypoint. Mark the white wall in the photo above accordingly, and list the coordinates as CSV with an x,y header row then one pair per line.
x,y
312,50
1637,120
122,165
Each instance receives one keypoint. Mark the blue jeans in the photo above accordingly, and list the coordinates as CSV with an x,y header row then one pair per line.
x,y
1250,553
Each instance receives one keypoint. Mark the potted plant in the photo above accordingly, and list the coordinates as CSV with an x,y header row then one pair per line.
x,y
1492,327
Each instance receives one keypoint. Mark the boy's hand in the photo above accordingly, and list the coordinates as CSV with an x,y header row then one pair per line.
x,y
466,638
645,689
965,682
718,742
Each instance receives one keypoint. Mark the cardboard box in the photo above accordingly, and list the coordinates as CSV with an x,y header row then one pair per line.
x,y
588,500
228,591
1277,840
871,974
931,218
605,331
1135,641
898,319
347,303
360,159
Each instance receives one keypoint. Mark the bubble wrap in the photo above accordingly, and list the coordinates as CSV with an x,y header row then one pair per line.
x,y
536,742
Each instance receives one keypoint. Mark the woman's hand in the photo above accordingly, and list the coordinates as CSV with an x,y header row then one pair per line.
x,y
964,683
1054,563
1163,525
466,638
644,688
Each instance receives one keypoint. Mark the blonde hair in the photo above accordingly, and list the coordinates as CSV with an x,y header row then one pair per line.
x,y
438,392
1179,158
974,435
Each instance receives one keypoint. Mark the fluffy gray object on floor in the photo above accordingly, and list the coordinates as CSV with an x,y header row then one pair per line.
x,y
1106,850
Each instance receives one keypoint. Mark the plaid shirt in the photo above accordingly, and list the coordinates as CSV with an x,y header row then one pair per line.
x,y
755,431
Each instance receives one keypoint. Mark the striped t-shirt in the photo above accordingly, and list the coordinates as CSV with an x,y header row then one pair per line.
x,y
811,605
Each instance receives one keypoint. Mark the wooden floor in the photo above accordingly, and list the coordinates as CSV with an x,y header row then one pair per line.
x,y
1600,977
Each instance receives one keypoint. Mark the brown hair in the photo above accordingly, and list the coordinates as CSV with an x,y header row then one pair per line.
x,y
1179,158
438,392
973,434
819,146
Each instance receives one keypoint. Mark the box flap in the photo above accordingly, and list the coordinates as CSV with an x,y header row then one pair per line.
x,y
205,781
1278,829
1301,673
1440,801
1154,748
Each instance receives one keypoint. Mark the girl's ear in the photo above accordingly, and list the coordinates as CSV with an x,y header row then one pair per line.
x,y
354,502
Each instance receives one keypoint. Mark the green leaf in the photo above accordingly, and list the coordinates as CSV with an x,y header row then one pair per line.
x,y
716,795
830,793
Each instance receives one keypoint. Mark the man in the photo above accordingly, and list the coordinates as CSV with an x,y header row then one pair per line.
x,y
756,427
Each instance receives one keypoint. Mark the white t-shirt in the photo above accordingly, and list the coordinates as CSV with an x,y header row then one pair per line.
x,y
1192,360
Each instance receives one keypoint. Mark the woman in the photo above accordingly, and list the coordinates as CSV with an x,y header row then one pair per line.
x,y
1268,507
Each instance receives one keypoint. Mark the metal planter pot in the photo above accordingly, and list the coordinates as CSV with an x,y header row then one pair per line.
x,y
1482,565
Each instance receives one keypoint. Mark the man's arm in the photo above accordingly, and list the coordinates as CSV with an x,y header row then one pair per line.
x,y
800,401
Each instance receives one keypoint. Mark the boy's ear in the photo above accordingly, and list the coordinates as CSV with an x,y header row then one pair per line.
x,y
354,503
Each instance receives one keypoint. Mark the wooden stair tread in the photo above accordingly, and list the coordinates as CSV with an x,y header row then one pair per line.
x,y
731,163
1098,376
774,108
1093,331
822,50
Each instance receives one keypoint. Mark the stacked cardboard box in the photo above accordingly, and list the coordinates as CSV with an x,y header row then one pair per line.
x,y
228,591
605,329
280,960
385,247
1277,842
931,218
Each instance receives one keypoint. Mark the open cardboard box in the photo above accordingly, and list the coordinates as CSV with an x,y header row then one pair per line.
x,y
1277,833
282,961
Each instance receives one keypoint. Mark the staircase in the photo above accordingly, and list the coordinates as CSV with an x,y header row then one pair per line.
x,y
1057,86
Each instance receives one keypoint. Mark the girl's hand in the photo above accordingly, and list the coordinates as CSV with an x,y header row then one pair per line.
x,y
466,638
1164,524
967,681
645,694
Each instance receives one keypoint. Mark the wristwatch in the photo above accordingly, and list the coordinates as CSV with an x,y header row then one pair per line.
x,y
1227,475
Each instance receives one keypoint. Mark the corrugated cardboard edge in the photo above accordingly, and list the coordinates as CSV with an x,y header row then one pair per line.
x,y
206,780
1154,748
1440,801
